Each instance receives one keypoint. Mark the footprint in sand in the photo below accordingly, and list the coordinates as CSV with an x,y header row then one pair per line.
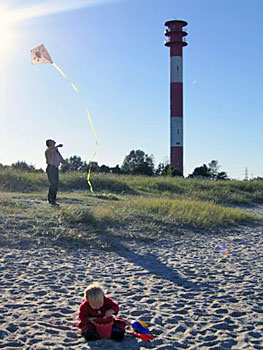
x,y
3,334
221,311
12,328
40,293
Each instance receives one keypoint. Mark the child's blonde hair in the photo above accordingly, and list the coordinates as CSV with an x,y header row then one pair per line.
x,y
94,290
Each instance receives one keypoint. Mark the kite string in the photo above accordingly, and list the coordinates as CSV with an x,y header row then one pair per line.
x,y
90,121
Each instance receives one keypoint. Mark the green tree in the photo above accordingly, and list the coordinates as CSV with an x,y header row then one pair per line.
x,y
138,163
222,176
94,167
160,168
202,171
76,164
104,169
116,170
23,166
211,171
84,166
169,170
213,167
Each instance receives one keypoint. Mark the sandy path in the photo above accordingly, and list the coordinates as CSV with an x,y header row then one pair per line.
x,y
191,295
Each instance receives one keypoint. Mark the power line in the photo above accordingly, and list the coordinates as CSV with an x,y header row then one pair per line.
x,y
246,174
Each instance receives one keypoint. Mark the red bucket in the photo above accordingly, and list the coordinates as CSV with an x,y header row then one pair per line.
x,y
104,329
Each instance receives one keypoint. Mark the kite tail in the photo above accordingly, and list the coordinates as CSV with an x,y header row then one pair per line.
x,y
96,148
65,77
90,122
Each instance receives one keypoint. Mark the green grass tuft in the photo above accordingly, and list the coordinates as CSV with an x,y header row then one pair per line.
x,y
183,213
72,214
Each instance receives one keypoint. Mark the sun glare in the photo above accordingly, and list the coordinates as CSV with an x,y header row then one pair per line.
x,y
6,32
5,16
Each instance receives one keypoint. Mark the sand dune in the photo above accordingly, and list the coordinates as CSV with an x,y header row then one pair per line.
x,y
185,289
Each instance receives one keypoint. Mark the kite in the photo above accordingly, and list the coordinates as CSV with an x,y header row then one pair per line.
x,y
40,55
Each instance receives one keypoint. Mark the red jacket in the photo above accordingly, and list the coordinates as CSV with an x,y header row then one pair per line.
x,y
86,311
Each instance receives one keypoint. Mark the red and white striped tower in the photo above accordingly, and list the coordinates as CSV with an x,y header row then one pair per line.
x,y
176,43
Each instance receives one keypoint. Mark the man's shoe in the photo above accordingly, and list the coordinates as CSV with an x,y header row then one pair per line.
x,y
55,204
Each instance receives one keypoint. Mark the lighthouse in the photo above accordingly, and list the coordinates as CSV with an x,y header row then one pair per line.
x,y
176,41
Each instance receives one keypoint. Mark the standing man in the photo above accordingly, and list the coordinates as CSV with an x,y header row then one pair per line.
x,y
53,159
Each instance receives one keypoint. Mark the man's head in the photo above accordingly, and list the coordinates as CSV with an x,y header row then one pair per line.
x,y
50,143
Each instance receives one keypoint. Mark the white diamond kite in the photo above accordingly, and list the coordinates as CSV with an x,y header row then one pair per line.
x,y
40,55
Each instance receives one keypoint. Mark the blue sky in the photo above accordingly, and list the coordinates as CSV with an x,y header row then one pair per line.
x,y
113,51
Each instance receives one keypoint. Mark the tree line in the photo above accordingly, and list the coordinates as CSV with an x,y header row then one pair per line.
x,y
137,162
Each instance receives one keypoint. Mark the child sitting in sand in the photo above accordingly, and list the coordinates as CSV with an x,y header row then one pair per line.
x,y
97,308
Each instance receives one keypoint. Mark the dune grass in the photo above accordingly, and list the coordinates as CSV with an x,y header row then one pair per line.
x,y
221,192
157,204
183,213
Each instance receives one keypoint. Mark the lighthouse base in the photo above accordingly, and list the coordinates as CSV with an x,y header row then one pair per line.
x,y
177,159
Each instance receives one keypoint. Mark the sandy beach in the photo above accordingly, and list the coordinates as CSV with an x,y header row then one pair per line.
x,y
192,293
